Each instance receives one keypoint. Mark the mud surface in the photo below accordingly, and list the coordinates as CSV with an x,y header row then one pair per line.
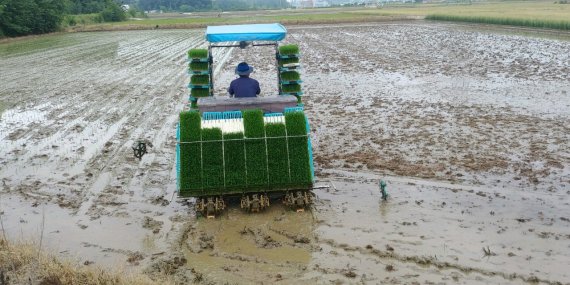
x,y
469,127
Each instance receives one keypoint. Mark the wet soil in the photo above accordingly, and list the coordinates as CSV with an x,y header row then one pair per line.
x,y
469,127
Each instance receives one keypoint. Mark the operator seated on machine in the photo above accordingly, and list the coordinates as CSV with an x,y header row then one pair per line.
x,y
244,86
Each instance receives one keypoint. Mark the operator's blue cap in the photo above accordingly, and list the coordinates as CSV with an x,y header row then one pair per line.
x,y
244,69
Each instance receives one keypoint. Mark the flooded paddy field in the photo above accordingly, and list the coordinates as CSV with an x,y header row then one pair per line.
x,y
469,127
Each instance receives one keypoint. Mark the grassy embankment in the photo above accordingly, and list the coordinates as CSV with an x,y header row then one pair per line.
x,y
24,263
541,14
536,14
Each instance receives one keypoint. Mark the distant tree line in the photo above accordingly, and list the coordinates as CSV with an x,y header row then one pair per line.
x,y
206,5
27,17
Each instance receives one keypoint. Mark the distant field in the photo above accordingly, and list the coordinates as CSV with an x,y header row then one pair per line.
x,y
541,14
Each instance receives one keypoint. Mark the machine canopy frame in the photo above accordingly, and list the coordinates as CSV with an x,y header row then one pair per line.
x,y
253,32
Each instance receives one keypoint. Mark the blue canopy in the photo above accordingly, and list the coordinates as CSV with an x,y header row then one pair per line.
x,y
236,33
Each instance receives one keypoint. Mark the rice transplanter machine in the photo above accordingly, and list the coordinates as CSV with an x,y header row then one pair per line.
x,y
251,148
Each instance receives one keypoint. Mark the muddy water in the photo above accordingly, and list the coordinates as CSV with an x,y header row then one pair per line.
x,y
276,244
469,128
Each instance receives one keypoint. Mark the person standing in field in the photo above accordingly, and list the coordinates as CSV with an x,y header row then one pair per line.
x,y
244,86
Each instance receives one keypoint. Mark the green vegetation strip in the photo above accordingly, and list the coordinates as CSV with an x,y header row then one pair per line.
x,y
200,92
255,148
198,53
190,153
534,23
212,160
290,88
289,50
234,156
298,148
278,163
198,66
283,61
200,79
290,76
212,163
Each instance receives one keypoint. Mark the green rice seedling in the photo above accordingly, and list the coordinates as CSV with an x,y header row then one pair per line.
x,y
200,79
290,76
212,160
200,92
194,104
290,88
255,148
198,66
234,159
289,49
300,168
284,61
253,123
190,158
277,158
198,53
535,23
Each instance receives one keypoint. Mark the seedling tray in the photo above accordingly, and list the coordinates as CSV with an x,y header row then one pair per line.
x,y
291,81
287,56
292,93
198,59
198,72
200,86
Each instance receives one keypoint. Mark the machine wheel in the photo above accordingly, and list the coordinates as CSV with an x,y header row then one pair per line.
x,y
254,202
210,206
298,200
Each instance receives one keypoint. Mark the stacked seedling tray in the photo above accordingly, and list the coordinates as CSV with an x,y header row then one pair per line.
x,y
289,77
199,70
264,153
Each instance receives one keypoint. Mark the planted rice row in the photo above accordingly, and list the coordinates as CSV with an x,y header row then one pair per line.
x,y
535,23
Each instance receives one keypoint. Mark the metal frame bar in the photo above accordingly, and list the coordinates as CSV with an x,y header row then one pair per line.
x,y
211,61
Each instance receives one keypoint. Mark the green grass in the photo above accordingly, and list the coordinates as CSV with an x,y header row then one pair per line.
x,y
534,23
527,10
200,79
198,66
190,160
290,88
234,156
200,92
255,148
36,44
288,60
289,49
290,75
295,123
197,53
212,160
278,163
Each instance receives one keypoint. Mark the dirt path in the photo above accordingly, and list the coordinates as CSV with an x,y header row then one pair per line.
x,y
468,127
